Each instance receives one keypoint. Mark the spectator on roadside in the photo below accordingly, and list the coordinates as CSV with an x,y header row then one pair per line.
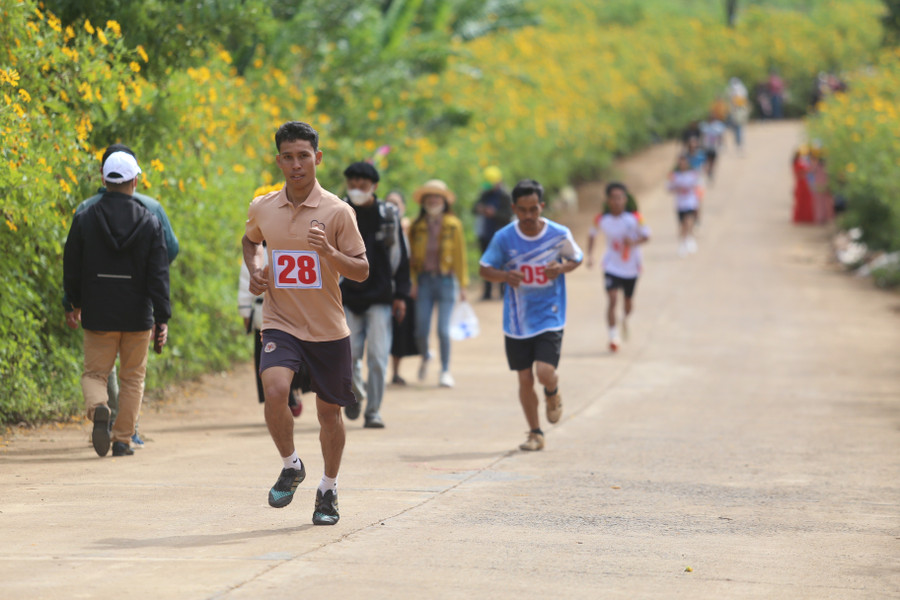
x,y
437,251
775,88
373,305
804,212
738,110
172,246
404,343
493,211
116,275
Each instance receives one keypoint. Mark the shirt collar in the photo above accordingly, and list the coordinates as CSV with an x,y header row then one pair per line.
x,y
312,201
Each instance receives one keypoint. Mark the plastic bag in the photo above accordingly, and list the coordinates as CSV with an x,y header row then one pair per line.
x,y
463,322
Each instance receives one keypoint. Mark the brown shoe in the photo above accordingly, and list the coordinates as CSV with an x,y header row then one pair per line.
x,y
535,441
554,407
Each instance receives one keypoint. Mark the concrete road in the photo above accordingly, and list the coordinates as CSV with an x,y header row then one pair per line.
x,y
743,444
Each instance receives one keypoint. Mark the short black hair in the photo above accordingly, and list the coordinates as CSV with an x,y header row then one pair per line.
x,y
297,130
616,185
115,148
362,170
527,187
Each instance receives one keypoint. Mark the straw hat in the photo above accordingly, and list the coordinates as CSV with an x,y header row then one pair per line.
x,y
436,187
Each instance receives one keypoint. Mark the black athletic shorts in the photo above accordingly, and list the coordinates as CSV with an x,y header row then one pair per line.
x,y
684,214
626,284
328,363
545,347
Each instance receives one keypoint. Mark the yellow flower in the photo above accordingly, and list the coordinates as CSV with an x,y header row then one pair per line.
x,y
11,225
69,34
142,53
181,186
114,27
71,175
372,115
25,96
19,110
225,56
102,37
65,186
239,168
370,145
63,95
135,66
88,27
157,164
850,168
145,182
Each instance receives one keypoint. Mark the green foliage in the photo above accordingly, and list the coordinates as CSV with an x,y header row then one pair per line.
x,y
197,89
858,130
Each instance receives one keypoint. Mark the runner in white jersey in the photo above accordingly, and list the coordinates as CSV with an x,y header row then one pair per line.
x,y
532,255
625,232
685,183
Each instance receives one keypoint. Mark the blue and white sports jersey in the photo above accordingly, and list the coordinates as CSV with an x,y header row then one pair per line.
x,y
538,304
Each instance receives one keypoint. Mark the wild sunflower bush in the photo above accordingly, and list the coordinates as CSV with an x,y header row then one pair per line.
x,y
860,132
424,89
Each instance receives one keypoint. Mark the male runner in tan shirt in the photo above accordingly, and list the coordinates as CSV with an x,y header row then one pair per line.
x,y
312,240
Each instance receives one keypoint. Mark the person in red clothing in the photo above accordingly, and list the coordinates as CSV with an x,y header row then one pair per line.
x,y
803,199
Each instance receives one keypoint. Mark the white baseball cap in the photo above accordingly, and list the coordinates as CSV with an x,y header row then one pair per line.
x,y
120,167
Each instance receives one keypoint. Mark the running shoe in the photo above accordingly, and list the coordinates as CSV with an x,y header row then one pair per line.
x,y
554,407
397,380
136,442
690,245
352,411
613,345
296,405
100,435
374,422
446,380
326,512
682,249
534,442
282,492
121,449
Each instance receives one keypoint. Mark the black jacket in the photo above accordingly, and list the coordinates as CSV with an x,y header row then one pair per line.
x,y
116,266
388,259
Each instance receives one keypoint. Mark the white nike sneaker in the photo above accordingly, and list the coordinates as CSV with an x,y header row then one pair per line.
x,y
691,245
446,380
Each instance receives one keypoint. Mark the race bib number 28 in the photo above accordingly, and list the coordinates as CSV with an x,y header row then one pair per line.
x,y
297,269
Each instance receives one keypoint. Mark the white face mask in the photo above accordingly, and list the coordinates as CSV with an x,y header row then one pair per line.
x,y
434,209
359,197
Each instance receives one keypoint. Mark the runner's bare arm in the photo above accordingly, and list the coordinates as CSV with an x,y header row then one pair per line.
x,y
555,269
255,259
513,278
355,268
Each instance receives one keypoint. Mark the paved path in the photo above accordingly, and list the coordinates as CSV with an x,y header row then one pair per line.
x,y
748,430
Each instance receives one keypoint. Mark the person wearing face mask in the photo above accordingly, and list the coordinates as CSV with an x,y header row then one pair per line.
x,y
370,305
438,267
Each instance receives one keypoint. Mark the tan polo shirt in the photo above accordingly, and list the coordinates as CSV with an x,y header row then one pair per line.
x,y
304,296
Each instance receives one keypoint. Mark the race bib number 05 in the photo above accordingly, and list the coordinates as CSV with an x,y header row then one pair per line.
x,y
533,275
297,269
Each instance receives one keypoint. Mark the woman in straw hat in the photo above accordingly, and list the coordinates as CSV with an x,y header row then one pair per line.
x,y
437,264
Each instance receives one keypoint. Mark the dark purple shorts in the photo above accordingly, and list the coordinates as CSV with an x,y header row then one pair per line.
x,y
328,363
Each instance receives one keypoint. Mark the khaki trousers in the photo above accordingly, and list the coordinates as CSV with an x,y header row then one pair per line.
x,y
100,351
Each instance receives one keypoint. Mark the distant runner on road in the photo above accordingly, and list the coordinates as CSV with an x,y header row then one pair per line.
x,y
624,232
532,255
311,240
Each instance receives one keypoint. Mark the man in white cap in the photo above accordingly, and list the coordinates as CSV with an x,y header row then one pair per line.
x,y
116,275
171,246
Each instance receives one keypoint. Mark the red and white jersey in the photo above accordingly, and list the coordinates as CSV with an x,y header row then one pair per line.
x,y
621,260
